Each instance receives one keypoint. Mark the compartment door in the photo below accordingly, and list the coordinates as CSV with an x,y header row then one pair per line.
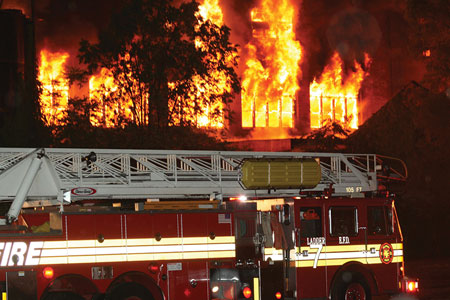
x,y
21,285
310,259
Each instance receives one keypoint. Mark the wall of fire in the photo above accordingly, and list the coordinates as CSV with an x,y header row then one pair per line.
x,y
281,90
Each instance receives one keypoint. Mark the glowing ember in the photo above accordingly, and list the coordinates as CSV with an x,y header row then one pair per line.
x,y
55,87
272,67
335,96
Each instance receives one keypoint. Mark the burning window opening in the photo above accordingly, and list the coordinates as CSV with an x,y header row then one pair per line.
x,y
270,80
334,96
112,107
211,112
55,87
108,109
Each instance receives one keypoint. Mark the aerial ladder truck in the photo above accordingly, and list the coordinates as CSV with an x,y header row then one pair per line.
x,y
168,224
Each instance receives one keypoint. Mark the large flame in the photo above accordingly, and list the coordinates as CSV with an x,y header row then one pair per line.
x,y
210,113
334,97
55,87
105,112
270,81
210,10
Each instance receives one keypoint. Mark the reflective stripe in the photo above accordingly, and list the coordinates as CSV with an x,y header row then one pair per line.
x,y
335,255
256,288
116,250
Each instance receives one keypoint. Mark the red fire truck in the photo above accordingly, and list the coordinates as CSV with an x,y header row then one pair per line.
x,y
134,224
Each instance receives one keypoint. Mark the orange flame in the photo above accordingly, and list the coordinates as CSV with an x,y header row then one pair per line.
x,y
270,81
110,106
107,113
55,87
210,10
335,98
208,117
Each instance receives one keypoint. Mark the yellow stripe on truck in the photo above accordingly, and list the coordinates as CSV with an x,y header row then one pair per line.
x,y
121,250
335,255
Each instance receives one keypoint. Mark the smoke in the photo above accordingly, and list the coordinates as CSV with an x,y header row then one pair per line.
x,y
60,25
237,17
329,26
355,27
352,33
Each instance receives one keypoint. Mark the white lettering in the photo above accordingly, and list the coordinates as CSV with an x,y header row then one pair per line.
x,y
34,252
319,249
351,189
344,240
6,254
2,245
19,249
315,241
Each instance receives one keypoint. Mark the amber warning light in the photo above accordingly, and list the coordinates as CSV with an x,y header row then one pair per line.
x,y
247,292
48,272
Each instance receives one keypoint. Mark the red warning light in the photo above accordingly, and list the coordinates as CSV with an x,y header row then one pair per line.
x,y
153,268
247,292
48,272
412,286
278,295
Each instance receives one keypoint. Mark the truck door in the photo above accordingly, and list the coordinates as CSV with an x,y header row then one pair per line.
x,y
384,252
310,242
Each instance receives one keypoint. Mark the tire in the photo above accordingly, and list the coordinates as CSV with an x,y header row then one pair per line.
x,y
62,296
351,286
129,291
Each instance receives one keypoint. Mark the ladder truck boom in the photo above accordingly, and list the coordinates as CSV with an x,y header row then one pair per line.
x,y
44,176
141,174
157,224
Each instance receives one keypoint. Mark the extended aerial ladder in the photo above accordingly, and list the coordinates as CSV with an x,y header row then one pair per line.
x,y
47,176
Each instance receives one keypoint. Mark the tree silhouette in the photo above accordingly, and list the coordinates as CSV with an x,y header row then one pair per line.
x,y
166,61
328,138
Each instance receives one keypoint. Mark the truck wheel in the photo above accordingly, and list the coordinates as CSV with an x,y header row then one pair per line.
x,y
129,291
355,291
351,286
62,296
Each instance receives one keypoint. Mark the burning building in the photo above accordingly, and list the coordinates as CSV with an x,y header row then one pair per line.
x,y
286,89
270,70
